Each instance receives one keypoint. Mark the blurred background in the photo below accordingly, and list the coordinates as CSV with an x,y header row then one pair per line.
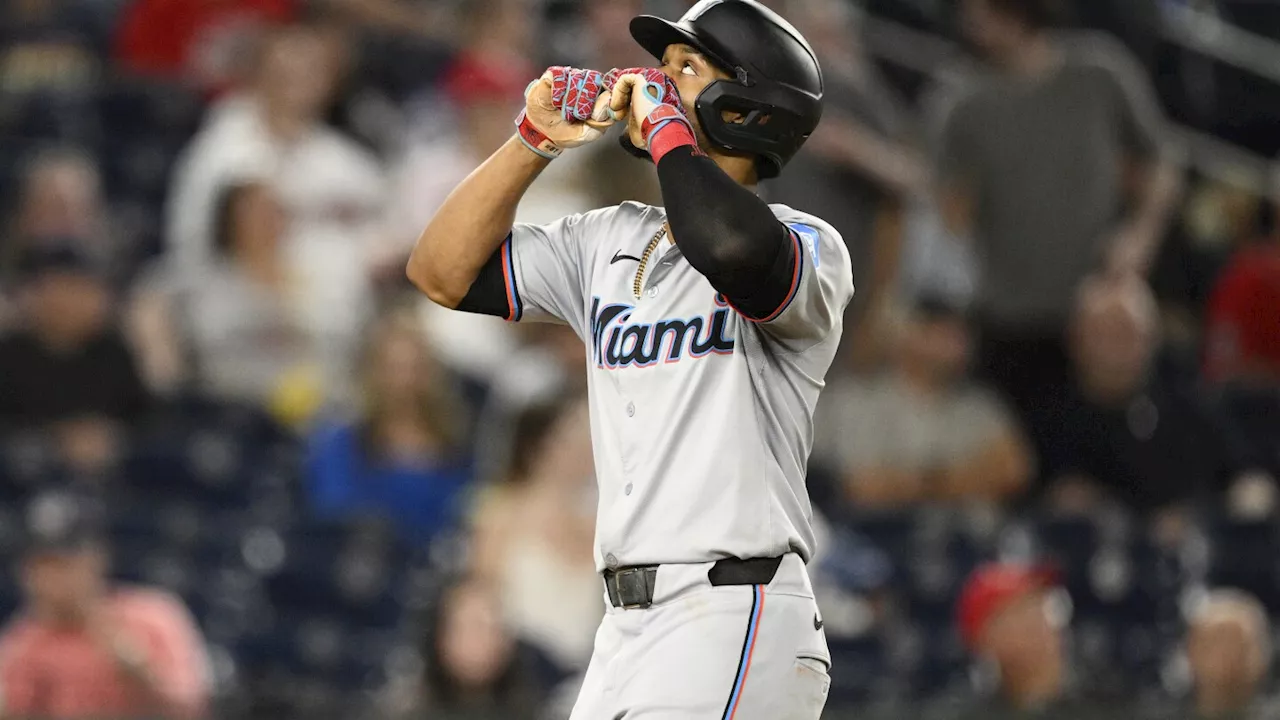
x,y
245,472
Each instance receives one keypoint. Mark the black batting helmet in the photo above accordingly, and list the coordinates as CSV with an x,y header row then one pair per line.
x,y
776,84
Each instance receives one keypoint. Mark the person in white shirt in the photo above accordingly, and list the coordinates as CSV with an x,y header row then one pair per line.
x,y
332,189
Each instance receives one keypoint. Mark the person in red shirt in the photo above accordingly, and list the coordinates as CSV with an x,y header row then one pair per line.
x,y
80,648
1242,329
202,42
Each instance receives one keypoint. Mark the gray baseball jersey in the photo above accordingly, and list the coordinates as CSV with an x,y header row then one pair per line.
x,y
701,419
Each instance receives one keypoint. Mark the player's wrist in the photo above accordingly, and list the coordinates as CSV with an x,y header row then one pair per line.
x,y
534,139
666,129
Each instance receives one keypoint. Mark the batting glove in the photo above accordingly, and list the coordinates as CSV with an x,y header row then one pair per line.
x,y
651,103
563,109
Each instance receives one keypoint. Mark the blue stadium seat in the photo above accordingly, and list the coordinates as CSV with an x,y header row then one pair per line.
x,y
891,532
337,567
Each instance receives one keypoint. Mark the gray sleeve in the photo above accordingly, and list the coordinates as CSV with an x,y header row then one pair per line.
x,y
1141,119
545,269
821,286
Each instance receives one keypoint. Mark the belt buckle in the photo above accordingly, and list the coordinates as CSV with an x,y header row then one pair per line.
x,y
630,584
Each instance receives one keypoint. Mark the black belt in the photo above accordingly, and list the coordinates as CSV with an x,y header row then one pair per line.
x,y
632,587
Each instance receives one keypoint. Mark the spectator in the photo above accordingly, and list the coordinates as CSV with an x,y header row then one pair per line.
x,y
330,187
548,364
921,432
202,43
1242,337
1039,159
60,197
83,649
1127,432
66,367
233,331
483,88
534,533
1229,649
1011,618
481,94
403,457
474,670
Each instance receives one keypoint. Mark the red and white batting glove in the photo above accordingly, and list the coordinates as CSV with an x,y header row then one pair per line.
x,y
650,101
563,109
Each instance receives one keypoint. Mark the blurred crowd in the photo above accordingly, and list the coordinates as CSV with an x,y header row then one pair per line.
x,y
246,472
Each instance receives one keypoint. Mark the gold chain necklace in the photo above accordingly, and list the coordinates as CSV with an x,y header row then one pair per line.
x,y
638,285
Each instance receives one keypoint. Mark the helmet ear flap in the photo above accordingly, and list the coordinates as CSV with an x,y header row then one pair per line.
x,y
771,122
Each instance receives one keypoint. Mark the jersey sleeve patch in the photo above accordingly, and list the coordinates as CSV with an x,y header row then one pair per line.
x,y
809,238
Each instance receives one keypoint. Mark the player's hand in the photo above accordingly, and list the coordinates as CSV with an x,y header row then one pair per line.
x,y
566,106
638,95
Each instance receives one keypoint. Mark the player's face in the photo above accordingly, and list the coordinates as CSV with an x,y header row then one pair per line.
x,y
692,73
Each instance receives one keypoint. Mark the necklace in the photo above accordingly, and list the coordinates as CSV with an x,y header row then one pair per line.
x,y
638,286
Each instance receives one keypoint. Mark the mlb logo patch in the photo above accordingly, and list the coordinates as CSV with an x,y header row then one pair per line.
x,y
810,238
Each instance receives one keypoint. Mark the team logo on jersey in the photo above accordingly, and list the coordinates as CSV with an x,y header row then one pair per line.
x,y
617,343
810,238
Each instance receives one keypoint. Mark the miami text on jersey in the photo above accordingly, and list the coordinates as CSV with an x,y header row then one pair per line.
x,y
643,344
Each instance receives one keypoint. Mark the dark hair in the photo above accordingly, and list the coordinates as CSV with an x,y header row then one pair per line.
x,y
224,215
530,428
511,688
1034,14
439,405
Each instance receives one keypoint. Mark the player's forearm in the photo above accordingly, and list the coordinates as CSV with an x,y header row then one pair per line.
x,y
723,229
472,223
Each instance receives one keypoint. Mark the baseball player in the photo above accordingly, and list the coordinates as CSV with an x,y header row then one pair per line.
x,y
709,325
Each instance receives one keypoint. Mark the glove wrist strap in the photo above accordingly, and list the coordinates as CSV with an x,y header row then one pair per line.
x,y
665,129
535,139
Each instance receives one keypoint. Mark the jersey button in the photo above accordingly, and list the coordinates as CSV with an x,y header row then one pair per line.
x,y
610,561
652,292
627,490
631,409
